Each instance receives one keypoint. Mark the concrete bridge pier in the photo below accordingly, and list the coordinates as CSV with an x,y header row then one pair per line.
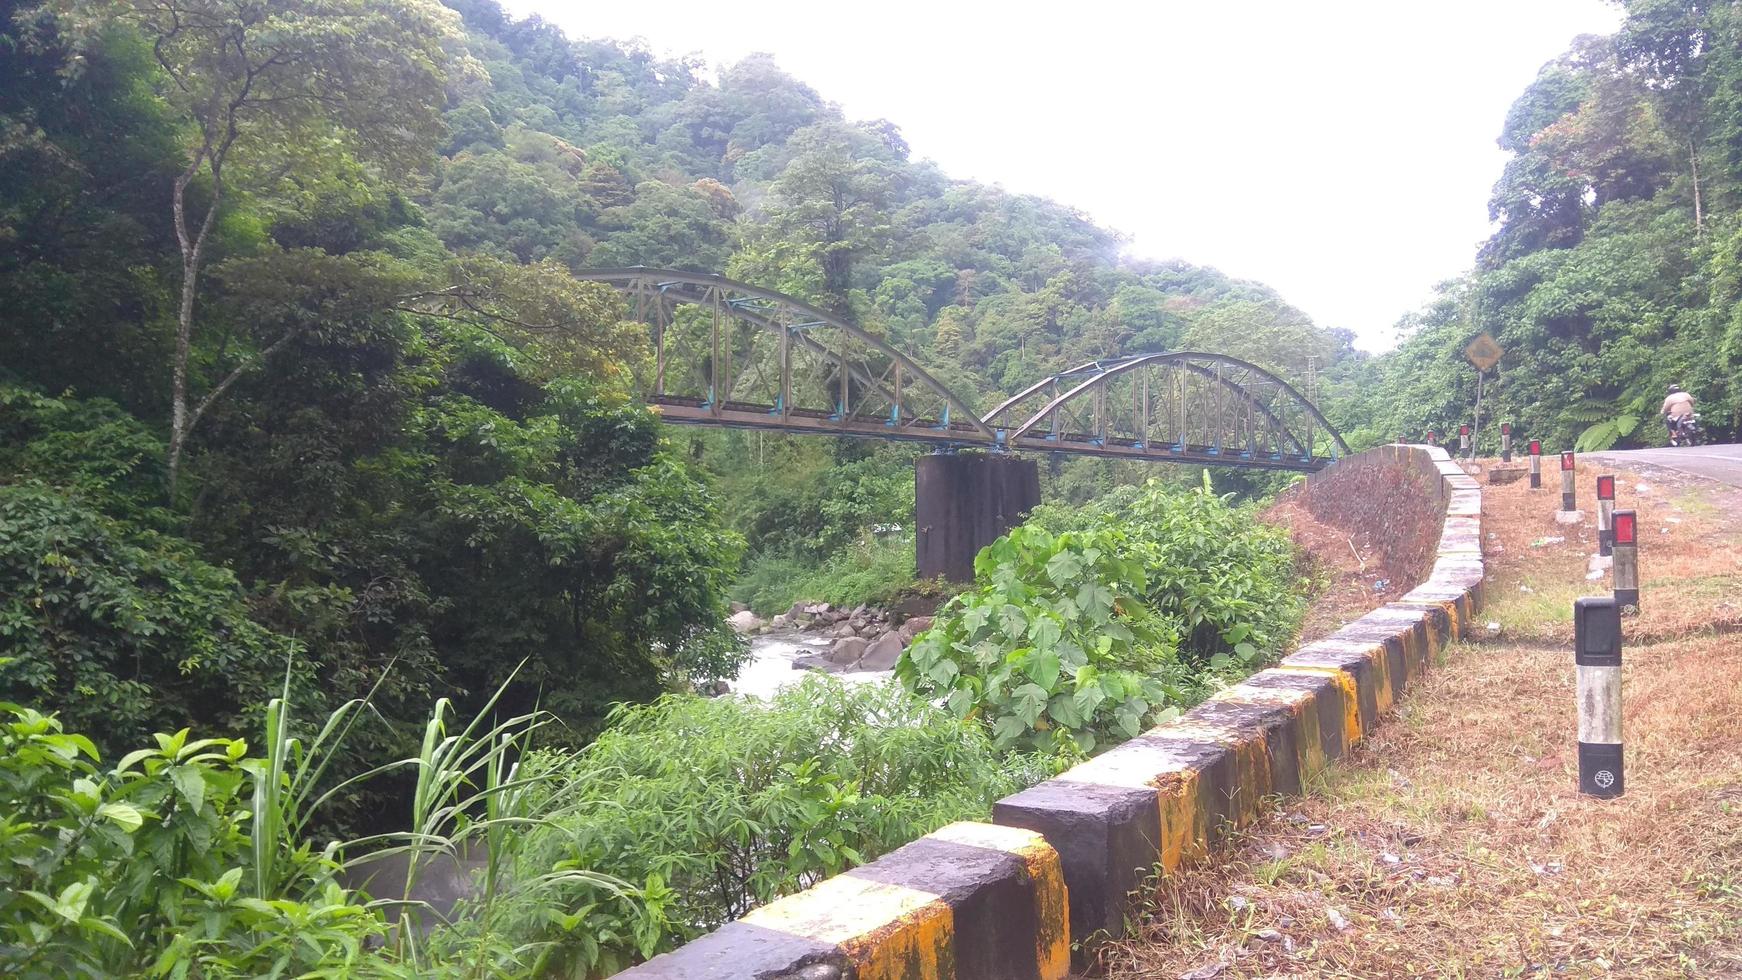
x,y
965,501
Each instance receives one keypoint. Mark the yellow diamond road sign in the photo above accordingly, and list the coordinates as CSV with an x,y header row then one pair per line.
x,y
1483,352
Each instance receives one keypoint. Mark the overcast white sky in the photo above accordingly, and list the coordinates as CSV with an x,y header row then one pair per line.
x,y
1341,152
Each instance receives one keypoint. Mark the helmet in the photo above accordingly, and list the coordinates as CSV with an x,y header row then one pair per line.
x,y
1675,389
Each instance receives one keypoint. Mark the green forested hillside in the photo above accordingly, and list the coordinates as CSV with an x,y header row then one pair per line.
x,y
294,371
1615,267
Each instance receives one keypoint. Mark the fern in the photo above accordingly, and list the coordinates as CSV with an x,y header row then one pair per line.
x,y
1598,437
1605,434
1589,412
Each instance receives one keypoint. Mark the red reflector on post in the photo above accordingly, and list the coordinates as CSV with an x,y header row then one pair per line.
x,y
1566,461
1536,447
1506,428
1605,488
1463,430
1626,528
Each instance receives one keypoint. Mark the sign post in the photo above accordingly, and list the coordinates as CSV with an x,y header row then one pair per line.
x,y
1536,464
1506,442
1626,571
1597,656
1484,353
1569,498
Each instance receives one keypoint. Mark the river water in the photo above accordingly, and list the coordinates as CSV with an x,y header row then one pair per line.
x,y
770,667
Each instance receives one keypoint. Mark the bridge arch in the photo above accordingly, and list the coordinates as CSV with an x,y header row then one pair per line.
x,y
727,353
1207,405
768,360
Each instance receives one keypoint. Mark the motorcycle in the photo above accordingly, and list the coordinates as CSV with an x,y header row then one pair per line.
x,y
1686,431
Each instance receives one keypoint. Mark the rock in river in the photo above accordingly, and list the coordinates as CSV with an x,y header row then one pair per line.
x,y
847,650
882,654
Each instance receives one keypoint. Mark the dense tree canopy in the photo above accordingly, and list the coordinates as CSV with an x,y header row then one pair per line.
x,y
1613,270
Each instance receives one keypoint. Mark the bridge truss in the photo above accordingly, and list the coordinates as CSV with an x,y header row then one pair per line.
x,y
734,355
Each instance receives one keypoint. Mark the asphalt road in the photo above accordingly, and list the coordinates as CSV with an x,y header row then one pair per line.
x,y
1720,463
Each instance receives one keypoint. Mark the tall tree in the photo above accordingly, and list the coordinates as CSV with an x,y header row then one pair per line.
x,y
833,200
1664,45
261,80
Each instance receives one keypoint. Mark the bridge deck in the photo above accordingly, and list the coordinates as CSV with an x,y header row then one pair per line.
x,y
959,435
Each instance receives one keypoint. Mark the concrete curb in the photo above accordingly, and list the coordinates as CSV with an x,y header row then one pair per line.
x,y
1066,859
1173,792
971,900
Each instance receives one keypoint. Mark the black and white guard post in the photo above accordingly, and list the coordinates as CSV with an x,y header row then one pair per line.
x,y
1624,529
1506,442
1597,652
1569,498
1605,515
1464,439
1535,464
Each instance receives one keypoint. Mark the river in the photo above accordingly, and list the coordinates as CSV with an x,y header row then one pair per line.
x,y
771,656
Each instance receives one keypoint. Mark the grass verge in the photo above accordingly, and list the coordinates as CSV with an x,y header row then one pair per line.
x,y
1454,842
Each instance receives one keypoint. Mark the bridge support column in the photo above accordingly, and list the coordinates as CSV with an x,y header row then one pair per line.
x,y
962,503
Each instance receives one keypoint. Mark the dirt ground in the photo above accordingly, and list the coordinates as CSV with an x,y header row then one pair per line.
x,y
1454,843
1350,575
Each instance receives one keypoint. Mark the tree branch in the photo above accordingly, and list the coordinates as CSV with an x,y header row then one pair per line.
x,y
235,373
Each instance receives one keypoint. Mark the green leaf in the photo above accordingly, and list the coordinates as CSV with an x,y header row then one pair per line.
x,y
944,672
1007,730
1030,702
91,923
960,702
190,782
70,904
225,887
1063,567
1063,709
1096,601
1088,698
1044,632
1129,720
1043,669
124,815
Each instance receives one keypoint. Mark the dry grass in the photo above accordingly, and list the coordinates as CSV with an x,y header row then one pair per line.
x,y
1454,842
1348,574
1690,557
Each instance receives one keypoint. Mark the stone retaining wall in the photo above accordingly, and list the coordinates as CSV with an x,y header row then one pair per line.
x,y
1392,508
1065,860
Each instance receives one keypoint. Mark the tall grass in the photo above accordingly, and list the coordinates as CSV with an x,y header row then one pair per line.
x,y
468,800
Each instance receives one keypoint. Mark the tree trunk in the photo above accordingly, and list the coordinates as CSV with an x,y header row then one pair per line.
x,y
183,333
1694,165
181,420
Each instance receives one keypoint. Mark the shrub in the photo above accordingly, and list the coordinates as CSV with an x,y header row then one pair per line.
x,y
1055,647
193,858
874,571
124,628
1088,625
728,803
1224,578
149,868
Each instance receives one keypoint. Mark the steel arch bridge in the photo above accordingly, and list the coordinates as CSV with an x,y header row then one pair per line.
x,y
735,355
